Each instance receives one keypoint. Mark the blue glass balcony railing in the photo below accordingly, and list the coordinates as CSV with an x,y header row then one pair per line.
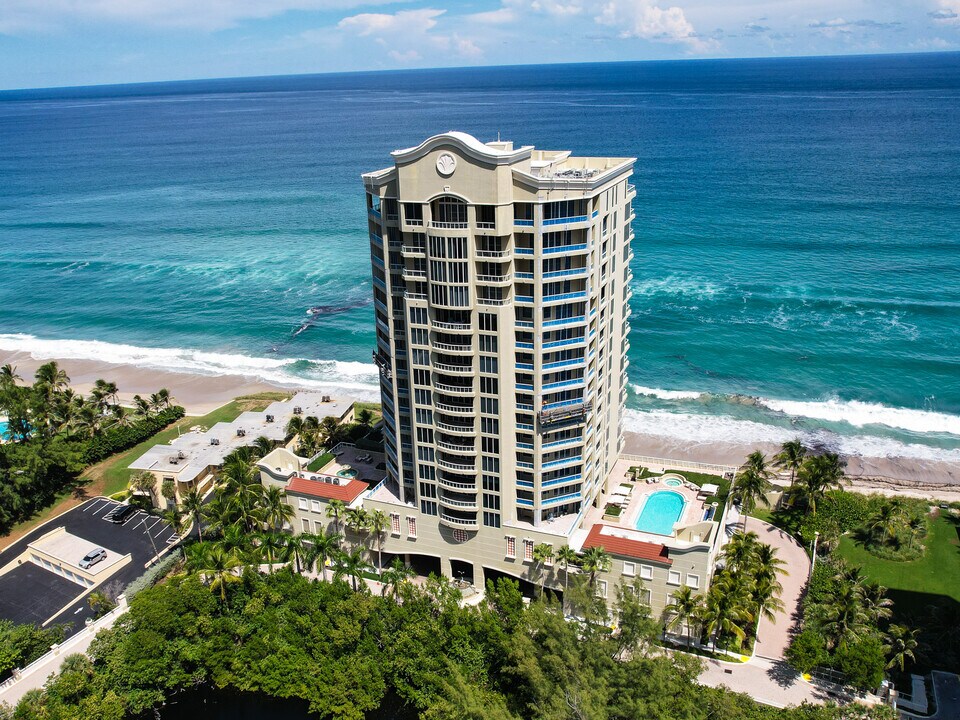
x,y
565,220
564,249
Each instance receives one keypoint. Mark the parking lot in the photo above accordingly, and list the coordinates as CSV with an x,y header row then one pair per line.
x,y
30,593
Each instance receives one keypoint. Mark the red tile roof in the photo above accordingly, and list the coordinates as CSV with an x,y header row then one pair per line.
x,y
637,549
327,491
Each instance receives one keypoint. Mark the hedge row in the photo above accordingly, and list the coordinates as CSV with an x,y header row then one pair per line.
x,y
117,439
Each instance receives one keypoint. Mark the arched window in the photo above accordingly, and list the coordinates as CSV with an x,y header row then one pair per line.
x,y
449,210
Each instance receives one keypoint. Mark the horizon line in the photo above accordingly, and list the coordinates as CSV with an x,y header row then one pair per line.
x,y
690,60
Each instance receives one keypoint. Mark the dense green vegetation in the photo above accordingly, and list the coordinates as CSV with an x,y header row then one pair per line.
x,y
315,435
54,433
20,645
343,651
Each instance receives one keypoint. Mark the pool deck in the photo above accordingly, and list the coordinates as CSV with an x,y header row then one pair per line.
x,y
367,470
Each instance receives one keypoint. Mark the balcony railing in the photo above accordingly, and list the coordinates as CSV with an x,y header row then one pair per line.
x,y
456,467
415,296
454,389
578,319
562,343
565,220
460,522
469,449
447,225
503,254
562,462
523,251
456,369
564,273
414,250
454,327
486,226
409,274
579,247
495,279
455,409
452,485
460,504
449,347
495,302
522,222
455,429
569,497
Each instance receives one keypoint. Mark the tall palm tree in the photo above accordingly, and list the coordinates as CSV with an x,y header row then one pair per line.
x,y
725,611
901,642
329,432
271,548
352,564
740,551
876,604
295,549
336,510
8,377
144,481
320,548
174,518
542,554
276,511
358,520
294,425
845,618
218,566
566,556
816,475
683,611
263,446
141,406
886,523
377,523
395,576
916,530
164,398
752,483
192,503
790,457
594,560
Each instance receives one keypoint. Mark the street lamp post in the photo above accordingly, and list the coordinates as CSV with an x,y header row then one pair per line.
x,y
813,560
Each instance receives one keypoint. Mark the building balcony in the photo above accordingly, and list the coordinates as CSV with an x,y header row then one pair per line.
x,y
416,251
454,369
451,327
409,274
524,275
457,504
452,348
566,220
566,410
560,444
414,295
562,462
437,225
562,343
495,279
462,410
456,448
494,254
523,251
464,485
561,322
569,497
377,240
522,222
575,362
564,297
565,480
572,272
494,302
486,226
550,387
459,523
456,428
462,390
565,249
455,466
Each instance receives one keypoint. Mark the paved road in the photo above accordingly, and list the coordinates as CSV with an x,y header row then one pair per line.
x,y
946,691
774,637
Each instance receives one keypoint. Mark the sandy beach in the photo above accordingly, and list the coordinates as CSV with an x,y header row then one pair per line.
x,y
200,394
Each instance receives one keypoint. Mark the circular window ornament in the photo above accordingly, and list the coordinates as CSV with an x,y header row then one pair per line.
x,y
460,535
446,164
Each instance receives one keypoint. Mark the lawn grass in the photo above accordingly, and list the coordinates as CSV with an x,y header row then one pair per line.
x,y
114,472
317,464
936,573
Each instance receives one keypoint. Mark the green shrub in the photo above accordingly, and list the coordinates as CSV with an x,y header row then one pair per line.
x,y
117,439
152,574
862,662
20,645
612,511
807,650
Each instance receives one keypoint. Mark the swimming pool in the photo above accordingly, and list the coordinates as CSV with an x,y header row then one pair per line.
x,y
348,473
3,430
660,511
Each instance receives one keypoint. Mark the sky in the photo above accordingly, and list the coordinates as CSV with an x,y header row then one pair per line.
x,y
46,43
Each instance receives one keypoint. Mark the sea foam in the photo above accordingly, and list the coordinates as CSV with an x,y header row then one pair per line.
x,y
359,378
666,394
860,414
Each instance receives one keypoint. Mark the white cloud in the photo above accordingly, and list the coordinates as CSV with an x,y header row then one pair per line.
x,y
410,56
948,13
501,16
643,19
405,21
18,16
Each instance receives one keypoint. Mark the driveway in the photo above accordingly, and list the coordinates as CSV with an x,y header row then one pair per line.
x,y
30,593
774,637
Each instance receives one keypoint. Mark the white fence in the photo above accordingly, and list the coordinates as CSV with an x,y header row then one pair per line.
x,y
668,464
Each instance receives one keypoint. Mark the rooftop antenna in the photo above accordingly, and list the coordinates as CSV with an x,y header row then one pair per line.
x,y
498,136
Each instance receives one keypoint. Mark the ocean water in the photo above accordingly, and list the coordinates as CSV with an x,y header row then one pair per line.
x,y
797,266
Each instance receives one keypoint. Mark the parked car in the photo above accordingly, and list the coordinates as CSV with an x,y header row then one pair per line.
x,y
93,557
120,514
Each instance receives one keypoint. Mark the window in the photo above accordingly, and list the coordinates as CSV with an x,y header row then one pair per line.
x,y
491,502
693,581
646,572
488,322
673,577
646,596
394,524
315,505
491,519
602,588
428,507
488,343
527,550
511,547
304,525
629,569
411,526
302,502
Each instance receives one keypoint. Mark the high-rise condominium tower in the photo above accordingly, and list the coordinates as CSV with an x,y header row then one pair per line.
x,y
501,279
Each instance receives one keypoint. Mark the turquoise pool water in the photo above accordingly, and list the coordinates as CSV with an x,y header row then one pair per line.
x,y
661,510
3,430
347,473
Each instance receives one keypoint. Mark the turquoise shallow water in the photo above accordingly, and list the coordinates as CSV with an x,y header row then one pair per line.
x,y
797,264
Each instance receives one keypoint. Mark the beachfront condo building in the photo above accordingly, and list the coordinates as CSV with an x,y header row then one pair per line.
x,y
501,280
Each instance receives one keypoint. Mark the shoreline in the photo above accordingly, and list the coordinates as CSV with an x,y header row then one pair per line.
x,y
200,394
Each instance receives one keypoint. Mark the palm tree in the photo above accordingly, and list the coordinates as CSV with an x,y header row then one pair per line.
x,y
684,610
101,604
740,551
916,530
156,402
192,503
542,554
725,609
336,509
294,425
218,566
752,483
358,521
595,560
164,399
378,522
276,511
886,522
296,549
141,406
790,457
271,548
901,642
263,446
566,556
144,481
364,417
816,475
320,548
8,377
351,564
395,576
845,618
876,604
174,519
329,432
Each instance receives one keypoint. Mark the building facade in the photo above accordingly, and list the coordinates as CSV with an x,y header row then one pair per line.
x,y
501,278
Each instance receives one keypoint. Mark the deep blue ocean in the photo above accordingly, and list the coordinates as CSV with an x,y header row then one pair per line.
x,y
797,264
